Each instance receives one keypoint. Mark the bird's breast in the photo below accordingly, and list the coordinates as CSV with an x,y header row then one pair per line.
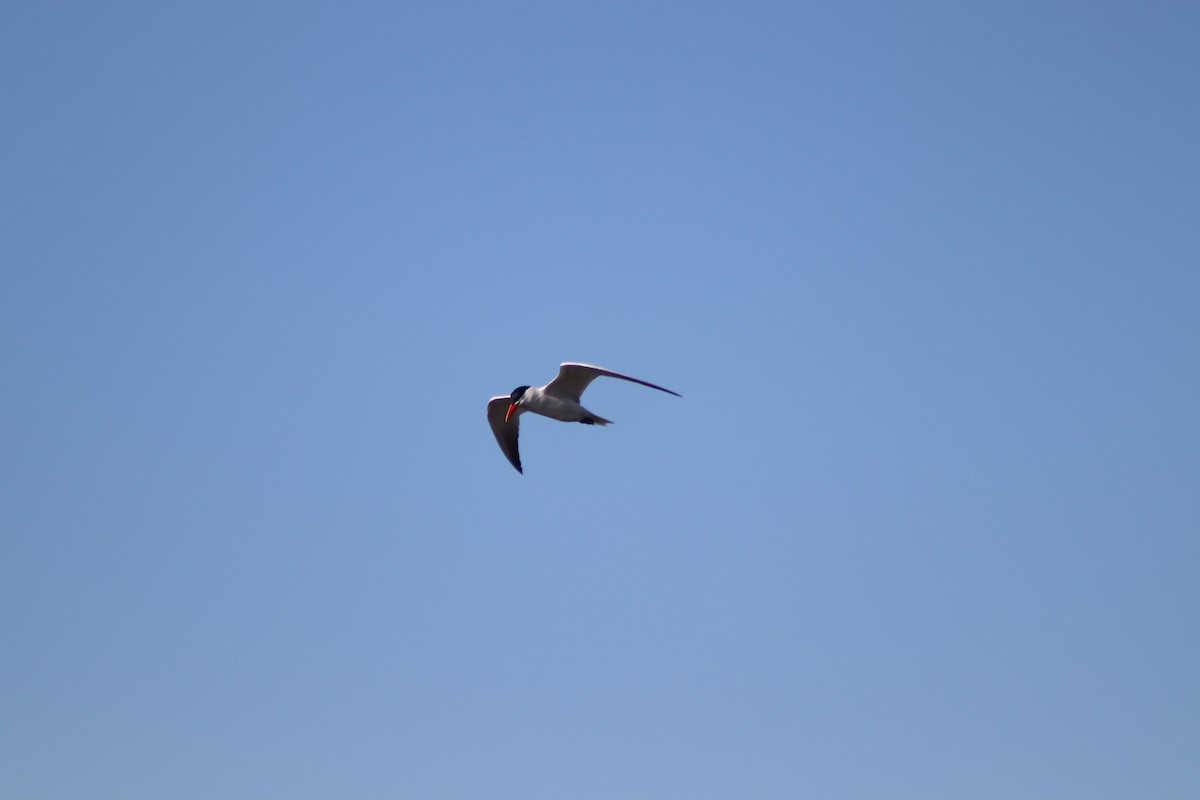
x,y
555,408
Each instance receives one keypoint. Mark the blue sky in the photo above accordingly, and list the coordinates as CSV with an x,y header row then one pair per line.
x,y
926,522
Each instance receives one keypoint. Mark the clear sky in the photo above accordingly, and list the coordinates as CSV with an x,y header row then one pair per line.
x,y
925,523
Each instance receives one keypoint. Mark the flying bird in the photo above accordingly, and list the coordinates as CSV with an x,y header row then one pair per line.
x,y
558,399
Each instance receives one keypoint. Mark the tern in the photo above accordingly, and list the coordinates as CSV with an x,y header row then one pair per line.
x,y
558,399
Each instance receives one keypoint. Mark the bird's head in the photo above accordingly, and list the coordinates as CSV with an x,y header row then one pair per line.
x,y
514,400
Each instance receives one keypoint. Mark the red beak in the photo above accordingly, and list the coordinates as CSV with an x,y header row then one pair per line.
x,y
511,408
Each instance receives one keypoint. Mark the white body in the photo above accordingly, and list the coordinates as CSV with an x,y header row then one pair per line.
x,y
555,406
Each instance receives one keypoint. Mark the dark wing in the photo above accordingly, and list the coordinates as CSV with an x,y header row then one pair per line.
x,y
506,432
572,379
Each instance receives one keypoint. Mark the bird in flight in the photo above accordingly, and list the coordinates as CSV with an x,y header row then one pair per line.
x,y
558,399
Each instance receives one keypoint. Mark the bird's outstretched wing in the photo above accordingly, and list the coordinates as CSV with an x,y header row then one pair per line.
x,y
572,379
505,432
